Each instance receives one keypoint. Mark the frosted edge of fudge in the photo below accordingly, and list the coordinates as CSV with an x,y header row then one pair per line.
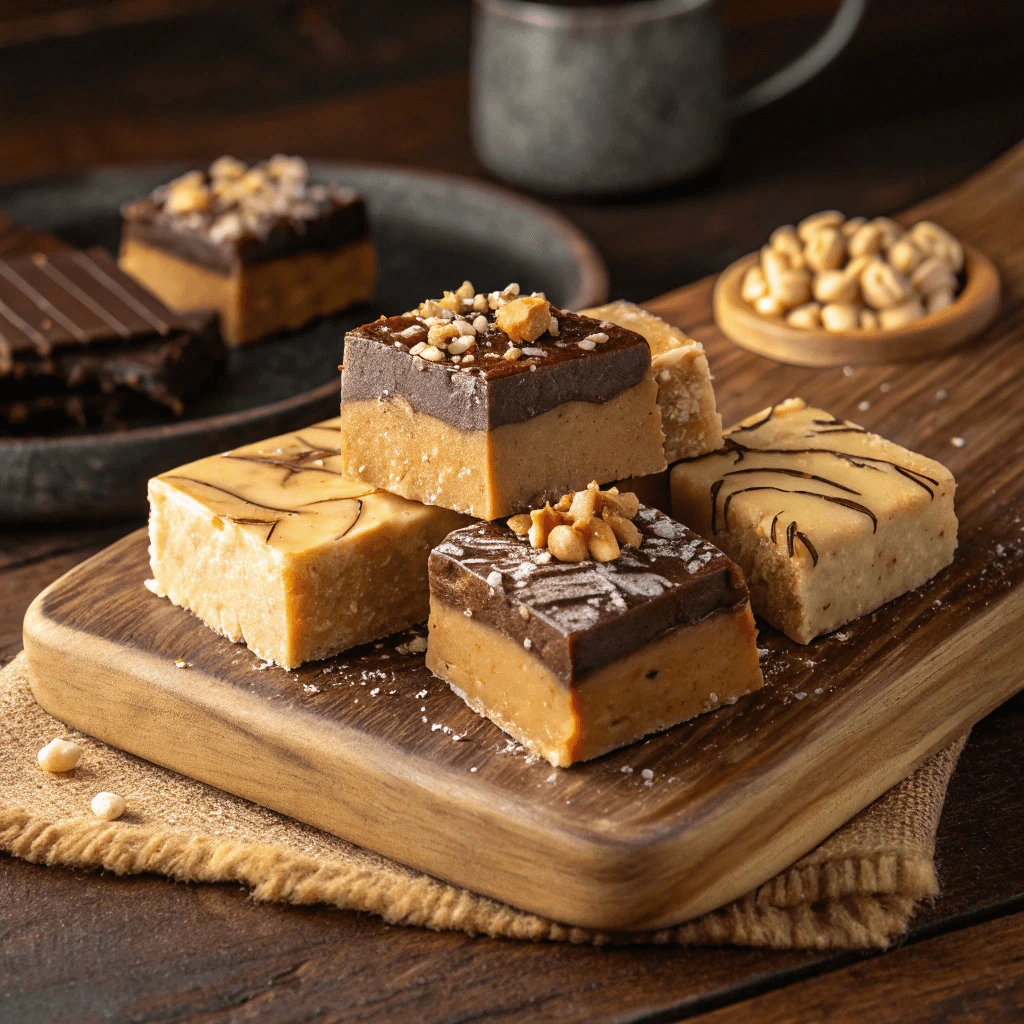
x,y
827,520
689,417
488,404
577,658
272,545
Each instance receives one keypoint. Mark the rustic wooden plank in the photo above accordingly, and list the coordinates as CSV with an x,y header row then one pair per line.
x,y
740,794
973,975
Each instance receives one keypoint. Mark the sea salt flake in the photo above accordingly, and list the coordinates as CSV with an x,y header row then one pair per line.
x,y
800,695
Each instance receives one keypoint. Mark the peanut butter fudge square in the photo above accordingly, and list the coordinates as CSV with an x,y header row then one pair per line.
x,y
689,418
828,521
263,245
488,404
583,627
273,545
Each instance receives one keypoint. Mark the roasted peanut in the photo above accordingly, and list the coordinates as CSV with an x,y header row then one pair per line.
x,y
754,285
59,756
836,286
934,240
786,241
567,544
520,525
602,544
793,288
866,240
904,256
807,316
933,275
769,305
882,286
905,312
826,250
774,264
816,221
853,225
524,319
839,316
625,532
584,504
626,505
108,806
543,521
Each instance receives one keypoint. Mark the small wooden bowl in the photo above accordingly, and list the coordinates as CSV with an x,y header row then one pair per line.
x,y
971,313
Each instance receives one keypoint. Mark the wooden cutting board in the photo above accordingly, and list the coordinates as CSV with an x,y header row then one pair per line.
x,y
370,747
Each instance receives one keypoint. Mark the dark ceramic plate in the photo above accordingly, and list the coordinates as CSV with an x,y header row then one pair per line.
x,y
430,230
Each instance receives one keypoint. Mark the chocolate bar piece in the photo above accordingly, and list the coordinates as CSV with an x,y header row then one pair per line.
x,y
576,658
828,521
80,341
488,404
263,245
272,544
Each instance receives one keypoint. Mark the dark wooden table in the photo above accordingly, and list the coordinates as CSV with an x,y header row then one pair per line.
x,y
927,94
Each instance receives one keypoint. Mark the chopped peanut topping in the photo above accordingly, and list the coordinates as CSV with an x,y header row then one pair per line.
x,y
525,318
589,522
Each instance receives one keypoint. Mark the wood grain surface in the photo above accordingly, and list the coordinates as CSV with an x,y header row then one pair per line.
x,y
737,795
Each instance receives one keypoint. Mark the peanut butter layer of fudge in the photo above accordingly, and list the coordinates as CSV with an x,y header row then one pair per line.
x,y
83,343
581,628
828,520
689,418
488,404
263,245
273,545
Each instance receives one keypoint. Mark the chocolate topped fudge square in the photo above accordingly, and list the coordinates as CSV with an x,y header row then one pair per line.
x,y
490,403
577,657
828,520
263,245
81,341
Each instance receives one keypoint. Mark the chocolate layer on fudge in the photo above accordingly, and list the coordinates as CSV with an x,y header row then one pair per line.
x,y
492,390
78,337
584,615
231,215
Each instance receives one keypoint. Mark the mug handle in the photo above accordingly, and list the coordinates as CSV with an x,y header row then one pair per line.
x,y
806,66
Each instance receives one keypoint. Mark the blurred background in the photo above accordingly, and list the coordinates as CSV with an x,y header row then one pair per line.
x,y
927,91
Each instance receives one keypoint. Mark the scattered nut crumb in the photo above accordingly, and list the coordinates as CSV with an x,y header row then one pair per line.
x,y
108,806
958,442
59,756
181,663
417,645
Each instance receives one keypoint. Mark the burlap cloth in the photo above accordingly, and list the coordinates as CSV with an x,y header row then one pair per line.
x,y
858,889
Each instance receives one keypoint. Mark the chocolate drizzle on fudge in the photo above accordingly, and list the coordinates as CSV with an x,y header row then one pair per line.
x,y
738,452
583,615
232,214
82,340
493,390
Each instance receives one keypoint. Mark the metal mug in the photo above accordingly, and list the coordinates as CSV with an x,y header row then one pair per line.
x,y
598,100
